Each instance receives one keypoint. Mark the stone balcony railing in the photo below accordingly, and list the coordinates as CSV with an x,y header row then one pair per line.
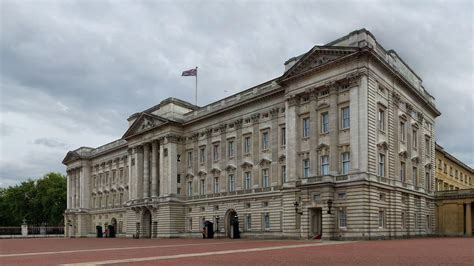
x,y
234,193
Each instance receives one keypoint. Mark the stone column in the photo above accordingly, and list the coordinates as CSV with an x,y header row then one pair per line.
x,y
68,180
468,219
314,133
139,171
73,179
131,187
334,122
154,169
78,188
291,143
146,170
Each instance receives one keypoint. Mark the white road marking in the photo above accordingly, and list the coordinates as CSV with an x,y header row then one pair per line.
x,y
132,260
108,249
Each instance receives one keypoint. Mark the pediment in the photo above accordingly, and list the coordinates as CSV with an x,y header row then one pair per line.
x,y
264,161
316,58
246,164
215,171
230,168
143,123
71,156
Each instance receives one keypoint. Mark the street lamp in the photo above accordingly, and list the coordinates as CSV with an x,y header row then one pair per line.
x,y
297,210
329,202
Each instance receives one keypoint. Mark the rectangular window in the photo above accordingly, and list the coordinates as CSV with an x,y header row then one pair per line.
x,y
306,127
190,224
381,164
248,222
230,148
190,158
342,217
346,163
427,179
283,136
265,144
231,183
247,144
265,178
427,146
345,117
266,220
247,180
202,154
402,131
402,171
283,173
216,185
215,152
306,168
403,220
325,122
445,168
415,139
325,165
381,120
202,186
415,176
381,218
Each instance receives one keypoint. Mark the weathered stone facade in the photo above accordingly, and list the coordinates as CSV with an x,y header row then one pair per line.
x,y
340,146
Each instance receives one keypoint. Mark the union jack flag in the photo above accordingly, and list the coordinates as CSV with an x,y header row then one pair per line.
x,y
191,72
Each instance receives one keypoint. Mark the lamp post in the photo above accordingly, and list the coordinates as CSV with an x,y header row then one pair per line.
x,y
297,209
329,202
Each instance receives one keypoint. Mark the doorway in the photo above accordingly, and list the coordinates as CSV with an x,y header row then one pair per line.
x,y
232,224
316,223
146,224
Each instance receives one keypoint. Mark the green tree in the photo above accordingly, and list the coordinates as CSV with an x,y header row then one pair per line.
x,y
40,201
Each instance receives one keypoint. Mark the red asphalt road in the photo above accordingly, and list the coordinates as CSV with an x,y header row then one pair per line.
x,y
428,251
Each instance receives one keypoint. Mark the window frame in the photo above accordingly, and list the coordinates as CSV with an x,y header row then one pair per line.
x,y
345,163
345,119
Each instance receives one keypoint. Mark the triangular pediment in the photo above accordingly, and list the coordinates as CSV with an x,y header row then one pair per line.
x,y
316,58
71,156
144,122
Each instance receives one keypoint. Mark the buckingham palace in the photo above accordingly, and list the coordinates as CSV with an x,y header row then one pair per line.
x,y
340,146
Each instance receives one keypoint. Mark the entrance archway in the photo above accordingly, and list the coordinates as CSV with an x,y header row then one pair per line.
x,y
146,224
316,226
232,224
113,228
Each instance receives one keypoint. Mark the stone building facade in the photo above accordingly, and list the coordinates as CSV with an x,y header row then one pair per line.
x,y
340,146
451,173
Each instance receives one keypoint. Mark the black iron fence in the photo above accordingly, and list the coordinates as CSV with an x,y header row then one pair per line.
x,y
10,230
45,230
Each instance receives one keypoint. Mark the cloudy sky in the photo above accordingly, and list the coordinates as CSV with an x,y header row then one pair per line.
x,y
72,71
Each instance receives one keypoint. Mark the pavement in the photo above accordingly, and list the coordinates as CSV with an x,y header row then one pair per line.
x,y
92,251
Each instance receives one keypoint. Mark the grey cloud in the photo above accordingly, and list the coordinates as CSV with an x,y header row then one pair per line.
x,y
50,143
84,66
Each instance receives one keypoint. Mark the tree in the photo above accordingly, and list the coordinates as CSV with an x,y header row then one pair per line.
x,y
39,202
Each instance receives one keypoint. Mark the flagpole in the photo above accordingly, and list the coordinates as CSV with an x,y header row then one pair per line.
x,y
196,91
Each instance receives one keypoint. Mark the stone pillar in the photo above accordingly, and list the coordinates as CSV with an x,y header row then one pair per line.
x,y
68,186
131,178
334,122
24,229
291,143
314,133
154,169
139,172
146,170
468,219
73,188
78,187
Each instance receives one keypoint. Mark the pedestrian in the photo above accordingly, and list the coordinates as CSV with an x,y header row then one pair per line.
x,y
106,232
203,232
